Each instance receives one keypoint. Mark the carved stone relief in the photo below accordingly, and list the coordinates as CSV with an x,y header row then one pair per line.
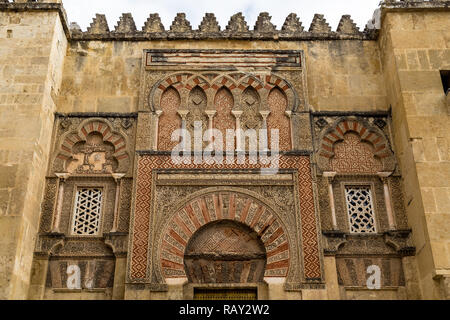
x,y
278,119
225,252
355,156
353,271
94,145
169,120
352,145
215,207
197,104
212,96
80,274
150,223
224,120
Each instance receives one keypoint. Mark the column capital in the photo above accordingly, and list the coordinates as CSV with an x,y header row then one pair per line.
x,y
183,113
158,113
62,175
384,174
264,114
117,176
237,113
210,113
329,174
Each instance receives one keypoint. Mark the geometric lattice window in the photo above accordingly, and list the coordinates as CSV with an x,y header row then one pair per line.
x,y
360,209
86,218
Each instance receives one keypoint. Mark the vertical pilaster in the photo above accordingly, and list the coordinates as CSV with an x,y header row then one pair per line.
x,y
31,62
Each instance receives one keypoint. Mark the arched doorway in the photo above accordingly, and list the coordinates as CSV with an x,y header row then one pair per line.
x,y
222,259
225,252
222,239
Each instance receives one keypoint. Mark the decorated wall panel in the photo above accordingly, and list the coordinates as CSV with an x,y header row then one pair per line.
x,y
149,222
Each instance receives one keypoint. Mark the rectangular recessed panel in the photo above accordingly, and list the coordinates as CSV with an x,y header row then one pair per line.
x,y
225,294
200,59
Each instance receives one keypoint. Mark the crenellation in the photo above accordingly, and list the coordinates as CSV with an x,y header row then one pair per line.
x,y
263,23
237,23
209,24
292,24
153,24
126,24
319,24
75,28
99,25
180,24
347,26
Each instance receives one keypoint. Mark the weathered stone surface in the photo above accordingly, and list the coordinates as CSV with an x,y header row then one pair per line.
x,y
99,25
319,24
125,24
292,24
180,24
153,24
33,62
209,24
237,23
263,23
346,25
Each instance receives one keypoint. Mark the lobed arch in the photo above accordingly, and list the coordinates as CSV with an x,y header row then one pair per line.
x,y
252,81
365,131
176,81
279,117
169,120
117,139
225,81
207,206
197,80
184,82
273,81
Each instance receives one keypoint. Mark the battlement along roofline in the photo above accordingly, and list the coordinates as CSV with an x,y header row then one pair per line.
x,y
209,29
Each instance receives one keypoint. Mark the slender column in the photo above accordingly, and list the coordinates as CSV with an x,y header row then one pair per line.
x,y
237,114
155,140
387,198
330,176
289,115
264,115
183,114
210,114
118,178
59,201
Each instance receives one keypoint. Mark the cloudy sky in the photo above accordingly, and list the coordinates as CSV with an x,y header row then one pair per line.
x,y
82,11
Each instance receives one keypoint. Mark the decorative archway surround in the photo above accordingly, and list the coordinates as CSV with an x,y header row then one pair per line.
x,y
140,238
366,132
242,208
64,150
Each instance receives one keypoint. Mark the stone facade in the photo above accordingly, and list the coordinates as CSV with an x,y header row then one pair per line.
x,y
93,206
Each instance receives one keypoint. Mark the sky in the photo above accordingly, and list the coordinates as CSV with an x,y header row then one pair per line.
x,y
82,11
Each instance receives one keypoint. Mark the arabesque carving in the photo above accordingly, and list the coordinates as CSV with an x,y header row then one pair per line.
x,y
94,146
